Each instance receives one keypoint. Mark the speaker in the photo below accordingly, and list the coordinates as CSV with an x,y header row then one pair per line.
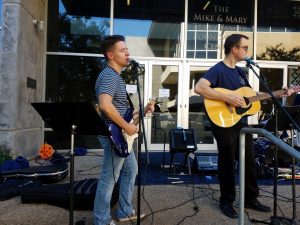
x,y
182,140
206,162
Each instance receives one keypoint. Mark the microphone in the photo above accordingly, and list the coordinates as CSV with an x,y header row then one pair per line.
x,y
136,66
250,61
134,63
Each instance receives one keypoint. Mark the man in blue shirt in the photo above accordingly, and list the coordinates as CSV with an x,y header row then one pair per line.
x,y
111,92
226,74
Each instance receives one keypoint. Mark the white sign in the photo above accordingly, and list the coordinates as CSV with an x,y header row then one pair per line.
x,y
164,93
131,89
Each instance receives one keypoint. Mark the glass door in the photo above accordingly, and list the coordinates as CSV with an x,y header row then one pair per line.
x,y
195,112
275,77
163,86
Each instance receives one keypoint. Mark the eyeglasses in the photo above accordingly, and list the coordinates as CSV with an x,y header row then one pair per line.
x,y
244,47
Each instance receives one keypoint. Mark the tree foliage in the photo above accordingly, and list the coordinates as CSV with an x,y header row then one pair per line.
x,y
279,53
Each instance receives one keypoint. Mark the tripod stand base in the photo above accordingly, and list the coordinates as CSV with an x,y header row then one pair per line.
x,y
281,221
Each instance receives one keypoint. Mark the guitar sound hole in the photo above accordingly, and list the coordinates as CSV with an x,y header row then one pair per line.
x,y
242,110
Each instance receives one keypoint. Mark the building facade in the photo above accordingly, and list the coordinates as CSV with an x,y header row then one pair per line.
x,y
50,52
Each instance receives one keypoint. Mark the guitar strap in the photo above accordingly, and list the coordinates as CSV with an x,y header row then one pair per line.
x,y
242,75
129,100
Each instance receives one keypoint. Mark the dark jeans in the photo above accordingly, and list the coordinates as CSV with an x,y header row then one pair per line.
x,y
228,146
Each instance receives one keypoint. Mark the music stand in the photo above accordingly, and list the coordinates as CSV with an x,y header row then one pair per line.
x,y
280,122
70,118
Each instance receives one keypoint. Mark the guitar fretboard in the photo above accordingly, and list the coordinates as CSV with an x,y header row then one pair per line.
x,y
266,96
277,94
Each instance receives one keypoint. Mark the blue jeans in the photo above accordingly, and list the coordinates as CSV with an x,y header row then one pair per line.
x,y
114,167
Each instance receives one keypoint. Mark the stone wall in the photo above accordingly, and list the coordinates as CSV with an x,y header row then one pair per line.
x,y
21,75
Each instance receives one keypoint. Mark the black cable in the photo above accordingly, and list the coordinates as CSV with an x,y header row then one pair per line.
x,y
284,197
181,204
256,221
177,206
210,188
143,193
277,205
190,216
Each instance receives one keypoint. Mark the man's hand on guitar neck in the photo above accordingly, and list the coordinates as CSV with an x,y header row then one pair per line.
x,y
287,92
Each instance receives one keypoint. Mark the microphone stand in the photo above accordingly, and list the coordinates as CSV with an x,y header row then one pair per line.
x,y
292,121
141,135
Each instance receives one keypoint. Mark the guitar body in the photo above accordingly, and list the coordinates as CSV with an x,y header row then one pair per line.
x,y
119,138
122,142
224,115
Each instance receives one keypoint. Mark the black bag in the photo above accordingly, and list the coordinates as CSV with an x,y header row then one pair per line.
x,y
59,194
12,188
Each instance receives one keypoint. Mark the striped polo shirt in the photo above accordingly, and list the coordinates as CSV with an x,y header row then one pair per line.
x,y
110,82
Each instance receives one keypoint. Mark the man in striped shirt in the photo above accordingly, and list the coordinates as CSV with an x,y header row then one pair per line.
x,y
111,92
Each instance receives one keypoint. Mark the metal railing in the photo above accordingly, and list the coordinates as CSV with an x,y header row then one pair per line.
x,y
282,146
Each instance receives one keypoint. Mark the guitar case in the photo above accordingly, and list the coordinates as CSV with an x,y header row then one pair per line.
x,y
47,174
59,194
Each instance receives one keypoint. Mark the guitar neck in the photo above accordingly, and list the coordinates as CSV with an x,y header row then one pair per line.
x,y
136,120
136,117
266,96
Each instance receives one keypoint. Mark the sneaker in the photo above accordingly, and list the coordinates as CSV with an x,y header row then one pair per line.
x,y
112,222
132,217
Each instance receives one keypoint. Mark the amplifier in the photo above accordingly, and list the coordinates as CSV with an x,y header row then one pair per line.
x,y
182,140
206,162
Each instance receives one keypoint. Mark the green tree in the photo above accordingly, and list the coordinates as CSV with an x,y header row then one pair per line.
x,y
279,53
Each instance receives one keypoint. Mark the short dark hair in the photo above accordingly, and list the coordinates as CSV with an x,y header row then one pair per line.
x,y
233,40
108,42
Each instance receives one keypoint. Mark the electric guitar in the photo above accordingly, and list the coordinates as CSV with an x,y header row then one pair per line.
x,y
224,115
122,142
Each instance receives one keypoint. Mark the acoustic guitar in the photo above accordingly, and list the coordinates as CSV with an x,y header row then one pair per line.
x,y
224,115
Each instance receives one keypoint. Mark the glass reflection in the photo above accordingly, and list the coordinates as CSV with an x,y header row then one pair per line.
x,y
165,91
278,30
274,79
72,78
197,117
71,29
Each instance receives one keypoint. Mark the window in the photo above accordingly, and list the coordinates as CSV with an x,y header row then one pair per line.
x,y
210,21
155,26
278,33
71,27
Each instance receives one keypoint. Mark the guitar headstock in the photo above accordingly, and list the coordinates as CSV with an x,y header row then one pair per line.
x,y
152,101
